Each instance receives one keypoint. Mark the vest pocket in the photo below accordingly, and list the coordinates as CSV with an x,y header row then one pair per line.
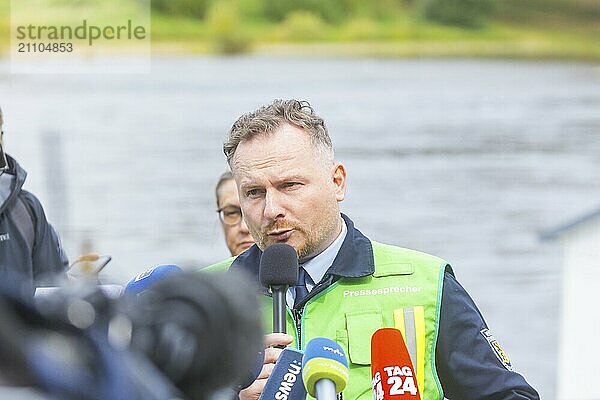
x,y
361,325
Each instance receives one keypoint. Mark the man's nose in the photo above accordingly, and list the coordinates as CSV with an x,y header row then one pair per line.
x,y
273,206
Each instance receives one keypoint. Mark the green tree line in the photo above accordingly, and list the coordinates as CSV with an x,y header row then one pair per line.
x,y
468,13
396,28
463,13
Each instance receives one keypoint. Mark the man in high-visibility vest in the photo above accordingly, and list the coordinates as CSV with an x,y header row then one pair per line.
x,y
290,187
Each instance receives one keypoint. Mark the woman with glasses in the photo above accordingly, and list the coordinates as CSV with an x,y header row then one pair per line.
x,y
237,235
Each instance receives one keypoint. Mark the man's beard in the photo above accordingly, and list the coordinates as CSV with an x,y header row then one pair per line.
x,y
262,238
313,238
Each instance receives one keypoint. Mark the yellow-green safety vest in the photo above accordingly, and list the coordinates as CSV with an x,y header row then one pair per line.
x,y
404,292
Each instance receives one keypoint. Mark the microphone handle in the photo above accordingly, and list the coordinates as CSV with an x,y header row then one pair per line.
x,y
325,390
279,293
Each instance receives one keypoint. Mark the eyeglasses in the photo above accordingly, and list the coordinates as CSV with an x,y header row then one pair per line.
x,y
230,215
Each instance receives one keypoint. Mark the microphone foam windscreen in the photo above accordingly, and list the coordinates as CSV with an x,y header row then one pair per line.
x,y
279,266
285,381
324,359
391,367
148,278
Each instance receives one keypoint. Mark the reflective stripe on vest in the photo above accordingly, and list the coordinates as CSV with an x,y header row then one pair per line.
x,y
411,322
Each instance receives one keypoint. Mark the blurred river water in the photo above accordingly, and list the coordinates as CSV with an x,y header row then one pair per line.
x,y
468,160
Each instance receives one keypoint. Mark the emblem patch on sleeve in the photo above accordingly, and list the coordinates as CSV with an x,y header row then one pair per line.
x,y
498,351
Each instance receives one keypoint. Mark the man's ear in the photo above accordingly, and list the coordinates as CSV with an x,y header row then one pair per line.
x,y
339,181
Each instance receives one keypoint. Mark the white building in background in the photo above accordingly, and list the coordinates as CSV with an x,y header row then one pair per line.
x,y
578,368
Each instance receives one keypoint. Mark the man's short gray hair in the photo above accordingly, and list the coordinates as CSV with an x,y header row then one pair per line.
x,y
268,119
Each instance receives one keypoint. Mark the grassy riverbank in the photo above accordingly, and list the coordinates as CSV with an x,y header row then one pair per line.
x,y
529,29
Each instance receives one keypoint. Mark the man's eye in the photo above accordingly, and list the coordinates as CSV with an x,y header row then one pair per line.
x,y
252,192
231,213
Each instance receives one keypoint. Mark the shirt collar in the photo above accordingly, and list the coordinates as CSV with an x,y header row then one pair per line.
x,y
317,266
355,258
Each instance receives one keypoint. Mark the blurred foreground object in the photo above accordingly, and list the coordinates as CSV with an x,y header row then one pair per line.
x,y
187,337
88,266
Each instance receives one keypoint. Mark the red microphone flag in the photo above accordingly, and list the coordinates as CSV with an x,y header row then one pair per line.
x,y
392,370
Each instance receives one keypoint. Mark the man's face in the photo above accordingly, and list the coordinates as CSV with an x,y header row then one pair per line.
x,y
288,193
237,236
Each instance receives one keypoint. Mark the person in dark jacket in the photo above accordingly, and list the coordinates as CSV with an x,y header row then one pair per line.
x,y
30,250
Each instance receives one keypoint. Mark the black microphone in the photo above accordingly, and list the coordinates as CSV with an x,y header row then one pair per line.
x,y
278,271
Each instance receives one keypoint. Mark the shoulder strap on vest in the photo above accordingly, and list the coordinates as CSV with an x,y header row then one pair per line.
x,y
394,260
22,216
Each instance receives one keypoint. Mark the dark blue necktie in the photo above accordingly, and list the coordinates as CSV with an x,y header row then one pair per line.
x,y
301,290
